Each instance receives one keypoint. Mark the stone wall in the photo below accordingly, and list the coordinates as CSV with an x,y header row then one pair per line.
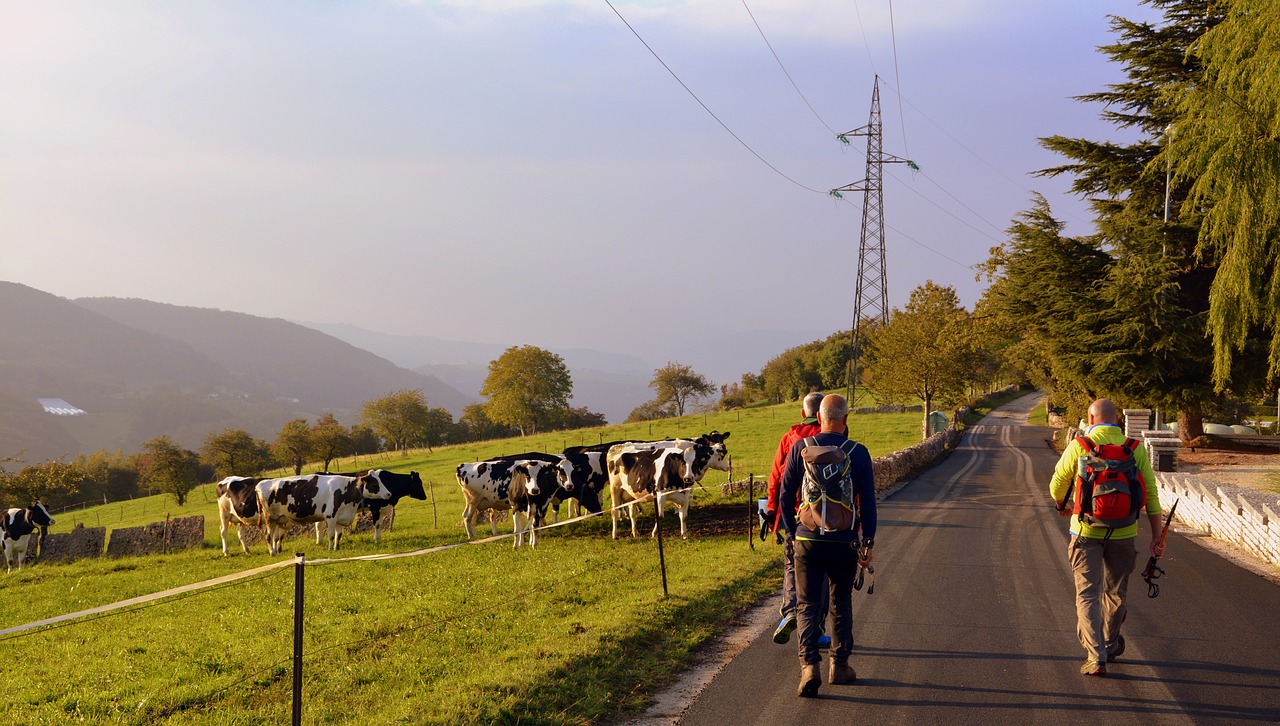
x,y
888,470
80,543
178,533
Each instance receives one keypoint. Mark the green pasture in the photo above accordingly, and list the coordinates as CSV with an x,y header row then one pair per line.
x,y
754,435
575,632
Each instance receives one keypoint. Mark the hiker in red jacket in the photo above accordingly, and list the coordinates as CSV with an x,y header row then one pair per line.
x,y
808,426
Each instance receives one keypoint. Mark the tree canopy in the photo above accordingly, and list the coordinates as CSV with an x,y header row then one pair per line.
x,y
527,387
401,418
923,350
234,452
675,384
1226,145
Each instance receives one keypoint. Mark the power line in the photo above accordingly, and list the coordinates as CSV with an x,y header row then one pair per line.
x,y
704,106
902,119
784,69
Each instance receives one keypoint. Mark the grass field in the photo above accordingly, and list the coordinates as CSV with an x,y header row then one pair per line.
x,y
575,632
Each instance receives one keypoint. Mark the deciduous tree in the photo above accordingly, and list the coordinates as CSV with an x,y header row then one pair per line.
x,y
293,445
526,387
400,418
922,351
169,468
329,440
234,452
675,384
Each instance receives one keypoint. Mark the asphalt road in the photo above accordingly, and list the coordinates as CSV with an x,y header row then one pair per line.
x,y
973,617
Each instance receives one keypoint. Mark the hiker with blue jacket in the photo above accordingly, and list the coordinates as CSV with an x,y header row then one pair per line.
x,y
829,478
1104,481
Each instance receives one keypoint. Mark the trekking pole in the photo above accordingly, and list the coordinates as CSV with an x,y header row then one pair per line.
x,y
1152,572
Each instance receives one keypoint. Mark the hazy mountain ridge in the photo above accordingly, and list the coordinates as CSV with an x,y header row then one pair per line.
x,y
142,369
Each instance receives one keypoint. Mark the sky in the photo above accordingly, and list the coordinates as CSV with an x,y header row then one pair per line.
x,y
531,171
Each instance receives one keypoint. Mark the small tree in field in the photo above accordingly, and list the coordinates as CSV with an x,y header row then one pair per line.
x,y
235,453
527,387
169,468
293,445
329,440
675,384
402,418
923,350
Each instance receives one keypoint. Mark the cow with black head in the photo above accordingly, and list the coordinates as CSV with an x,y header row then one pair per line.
x,y
18,526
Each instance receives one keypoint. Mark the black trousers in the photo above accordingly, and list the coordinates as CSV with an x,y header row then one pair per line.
x,y
818,563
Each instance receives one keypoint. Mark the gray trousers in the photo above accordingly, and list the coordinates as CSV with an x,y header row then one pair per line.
x,y
789,596
1101,569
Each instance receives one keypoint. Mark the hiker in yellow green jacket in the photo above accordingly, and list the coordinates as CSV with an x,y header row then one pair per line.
x,y
1105,482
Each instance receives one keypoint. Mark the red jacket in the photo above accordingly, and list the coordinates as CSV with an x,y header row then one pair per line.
x,y
806,428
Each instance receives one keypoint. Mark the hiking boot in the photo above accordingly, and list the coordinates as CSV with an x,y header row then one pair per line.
x,y
786,627
810,680
824,642
1093,668
840,673
1116,652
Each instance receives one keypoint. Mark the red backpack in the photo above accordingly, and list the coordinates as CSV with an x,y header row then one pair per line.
x,y
1109,489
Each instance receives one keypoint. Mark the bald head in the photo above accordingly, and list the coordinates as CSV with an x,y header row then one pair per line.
x,y
833,412
1103,411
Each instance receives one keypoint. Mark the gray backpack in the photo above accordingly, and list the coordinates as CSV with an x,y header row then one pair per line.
x,y
826,495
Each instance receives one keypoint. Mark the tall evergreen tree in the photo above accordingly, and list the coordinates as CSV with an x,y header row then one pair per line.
x,y
1227,147
1123,312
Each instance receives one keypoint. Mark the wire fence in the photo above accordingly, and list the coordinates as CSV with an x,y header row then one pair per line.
x,y
299,563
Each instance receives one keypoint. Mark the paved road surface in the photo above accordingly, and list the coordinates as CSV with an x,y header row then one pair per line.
x,y
973,619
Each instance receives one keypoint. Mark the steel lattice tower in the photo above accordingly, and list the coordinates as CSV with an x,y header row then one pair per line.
x,y
871,296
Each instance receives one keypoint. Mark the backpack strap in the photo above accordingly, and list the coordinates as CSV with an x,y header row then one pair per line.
x,y
1088,444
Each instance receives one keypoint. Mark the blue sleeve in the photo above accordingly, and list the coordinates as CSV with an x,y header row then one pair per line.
x,y
864,483
789,488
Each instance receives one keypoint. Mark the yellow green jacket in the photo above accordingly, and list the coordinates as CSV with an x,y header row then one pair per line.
x,y
1065,473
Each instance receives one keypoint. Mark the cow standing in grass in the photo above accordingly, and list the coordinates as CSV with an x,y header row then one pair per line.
x,y
238,505
17,526
665,470
333,500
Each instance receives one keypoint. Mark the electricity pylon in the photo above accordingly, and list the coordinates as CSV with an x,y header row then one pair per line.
x,y
871,297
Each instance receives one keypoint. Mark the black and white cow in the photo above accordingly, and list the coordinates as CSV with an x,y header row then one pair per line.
x,y
332,499
665,470
400,486
17,526
534,484
487,485
384,510
238,505
582,478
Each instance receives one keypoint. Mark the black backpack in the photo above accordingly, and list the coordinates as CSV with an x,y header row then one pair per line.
x,y
826,494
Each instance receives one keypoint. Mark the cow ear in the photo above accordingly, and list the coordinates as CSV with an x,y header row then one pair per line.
x,y
724,436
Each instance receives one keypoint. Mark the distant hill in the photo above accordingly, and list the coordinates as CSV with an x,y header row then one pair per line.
x,y
605,382
141,369
280,357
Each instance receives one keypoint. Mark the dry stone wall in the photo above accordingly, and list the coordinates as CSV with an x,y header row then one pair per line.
x,y
179,533
80,543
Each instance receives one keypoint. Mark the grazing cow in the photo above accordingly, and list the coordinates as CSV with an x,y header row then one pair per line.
x,y
334,500
534,484
582,478
400,486
642,471
17,525
238,505
487,485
